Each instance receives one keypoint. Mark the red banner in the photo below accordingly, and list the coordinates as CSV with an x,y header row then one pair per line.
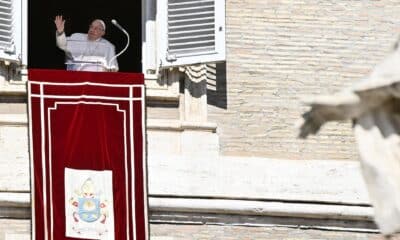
x,y
87,155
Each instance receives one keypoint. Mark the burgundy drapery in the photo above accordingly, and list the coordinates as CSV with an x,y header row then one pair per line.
x,y
87,121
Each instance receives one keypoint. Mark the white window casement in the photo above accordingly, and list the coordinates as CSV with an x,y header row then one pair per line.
x,y
190,32
13,31
179,33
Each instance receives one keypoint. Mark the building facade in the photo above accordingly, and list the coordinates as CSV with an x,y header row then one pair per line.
x,y
222,105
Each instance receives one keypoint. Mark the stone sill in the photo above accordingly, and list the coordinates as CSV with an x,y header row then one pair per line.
x,y
230,206
14,88
12,199
179,126
155,92
18,88
262,208
160,95
151,94
14,119
152,124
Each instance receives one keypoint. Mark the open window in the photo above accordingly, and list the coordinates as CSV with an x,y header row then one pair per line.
x,y
190,32
13,14
43,52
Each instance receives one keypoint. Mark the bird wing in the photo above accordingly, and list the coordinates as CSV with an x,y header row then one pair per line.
x,y
382,84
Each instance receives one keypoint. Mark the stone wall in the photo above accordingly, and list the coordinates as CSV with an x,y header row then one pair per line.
x,y
279,51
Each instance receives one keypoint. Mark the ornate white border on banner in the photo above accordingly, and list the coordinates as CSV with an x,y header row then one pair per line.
x,y
84,99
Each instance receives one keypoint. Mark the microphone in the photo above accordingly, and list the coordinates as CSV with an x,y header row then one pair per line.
x,y
115,23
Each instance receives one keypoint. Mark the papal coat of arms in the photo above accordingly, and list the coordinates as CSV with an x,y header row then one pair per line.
x,y
88,209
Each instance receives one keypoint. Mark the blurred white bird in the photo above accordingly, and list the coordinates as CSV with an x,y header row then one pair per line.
x,y
374,106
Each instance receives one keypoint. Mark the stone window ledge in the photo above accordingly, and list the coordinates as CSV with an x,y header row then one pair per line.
x,y
152,124
176,125
162,88
14,119
13,88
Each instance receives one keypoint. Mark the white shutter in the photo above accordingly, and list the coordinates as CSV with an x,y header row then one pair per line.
x,y
11,12
191,31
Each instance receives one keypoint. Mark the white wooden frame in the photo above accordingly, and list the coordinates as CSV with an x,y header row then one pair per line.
x,y
195,58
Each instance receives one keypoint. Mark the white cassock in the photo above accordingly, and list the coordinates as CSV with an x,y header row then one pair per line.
x,y
374,106
85,55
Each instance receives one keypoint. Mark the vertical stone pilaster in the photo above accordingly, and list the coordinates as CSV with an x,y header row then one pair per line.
x,y
196,139
194,108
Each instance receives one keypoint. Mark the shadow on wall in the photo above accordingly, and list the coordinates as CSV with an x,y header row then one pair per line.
x,y
210,79
216,86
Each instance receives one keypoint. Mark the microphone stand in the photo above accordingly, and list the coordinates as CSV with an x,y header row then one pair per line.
x,y
115,23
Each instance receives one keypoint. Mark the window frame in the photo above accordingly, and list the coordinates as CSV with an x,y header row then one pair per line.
x,y
192,58
19,34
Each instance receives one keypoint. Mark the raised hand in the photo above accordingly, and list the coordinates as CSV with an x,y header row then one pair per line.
x,y
59,21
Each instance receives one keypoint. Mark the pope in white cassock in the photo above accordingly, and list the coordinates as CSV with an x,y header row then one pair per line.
x,y
374,106
86,52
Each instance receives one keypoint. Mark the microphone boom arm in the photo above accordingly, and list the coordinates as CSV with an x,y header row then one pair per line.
x,y
115,23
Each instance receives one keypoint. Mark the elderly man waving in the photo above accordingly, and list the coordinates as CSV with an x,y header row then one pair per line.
x,y
86,52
